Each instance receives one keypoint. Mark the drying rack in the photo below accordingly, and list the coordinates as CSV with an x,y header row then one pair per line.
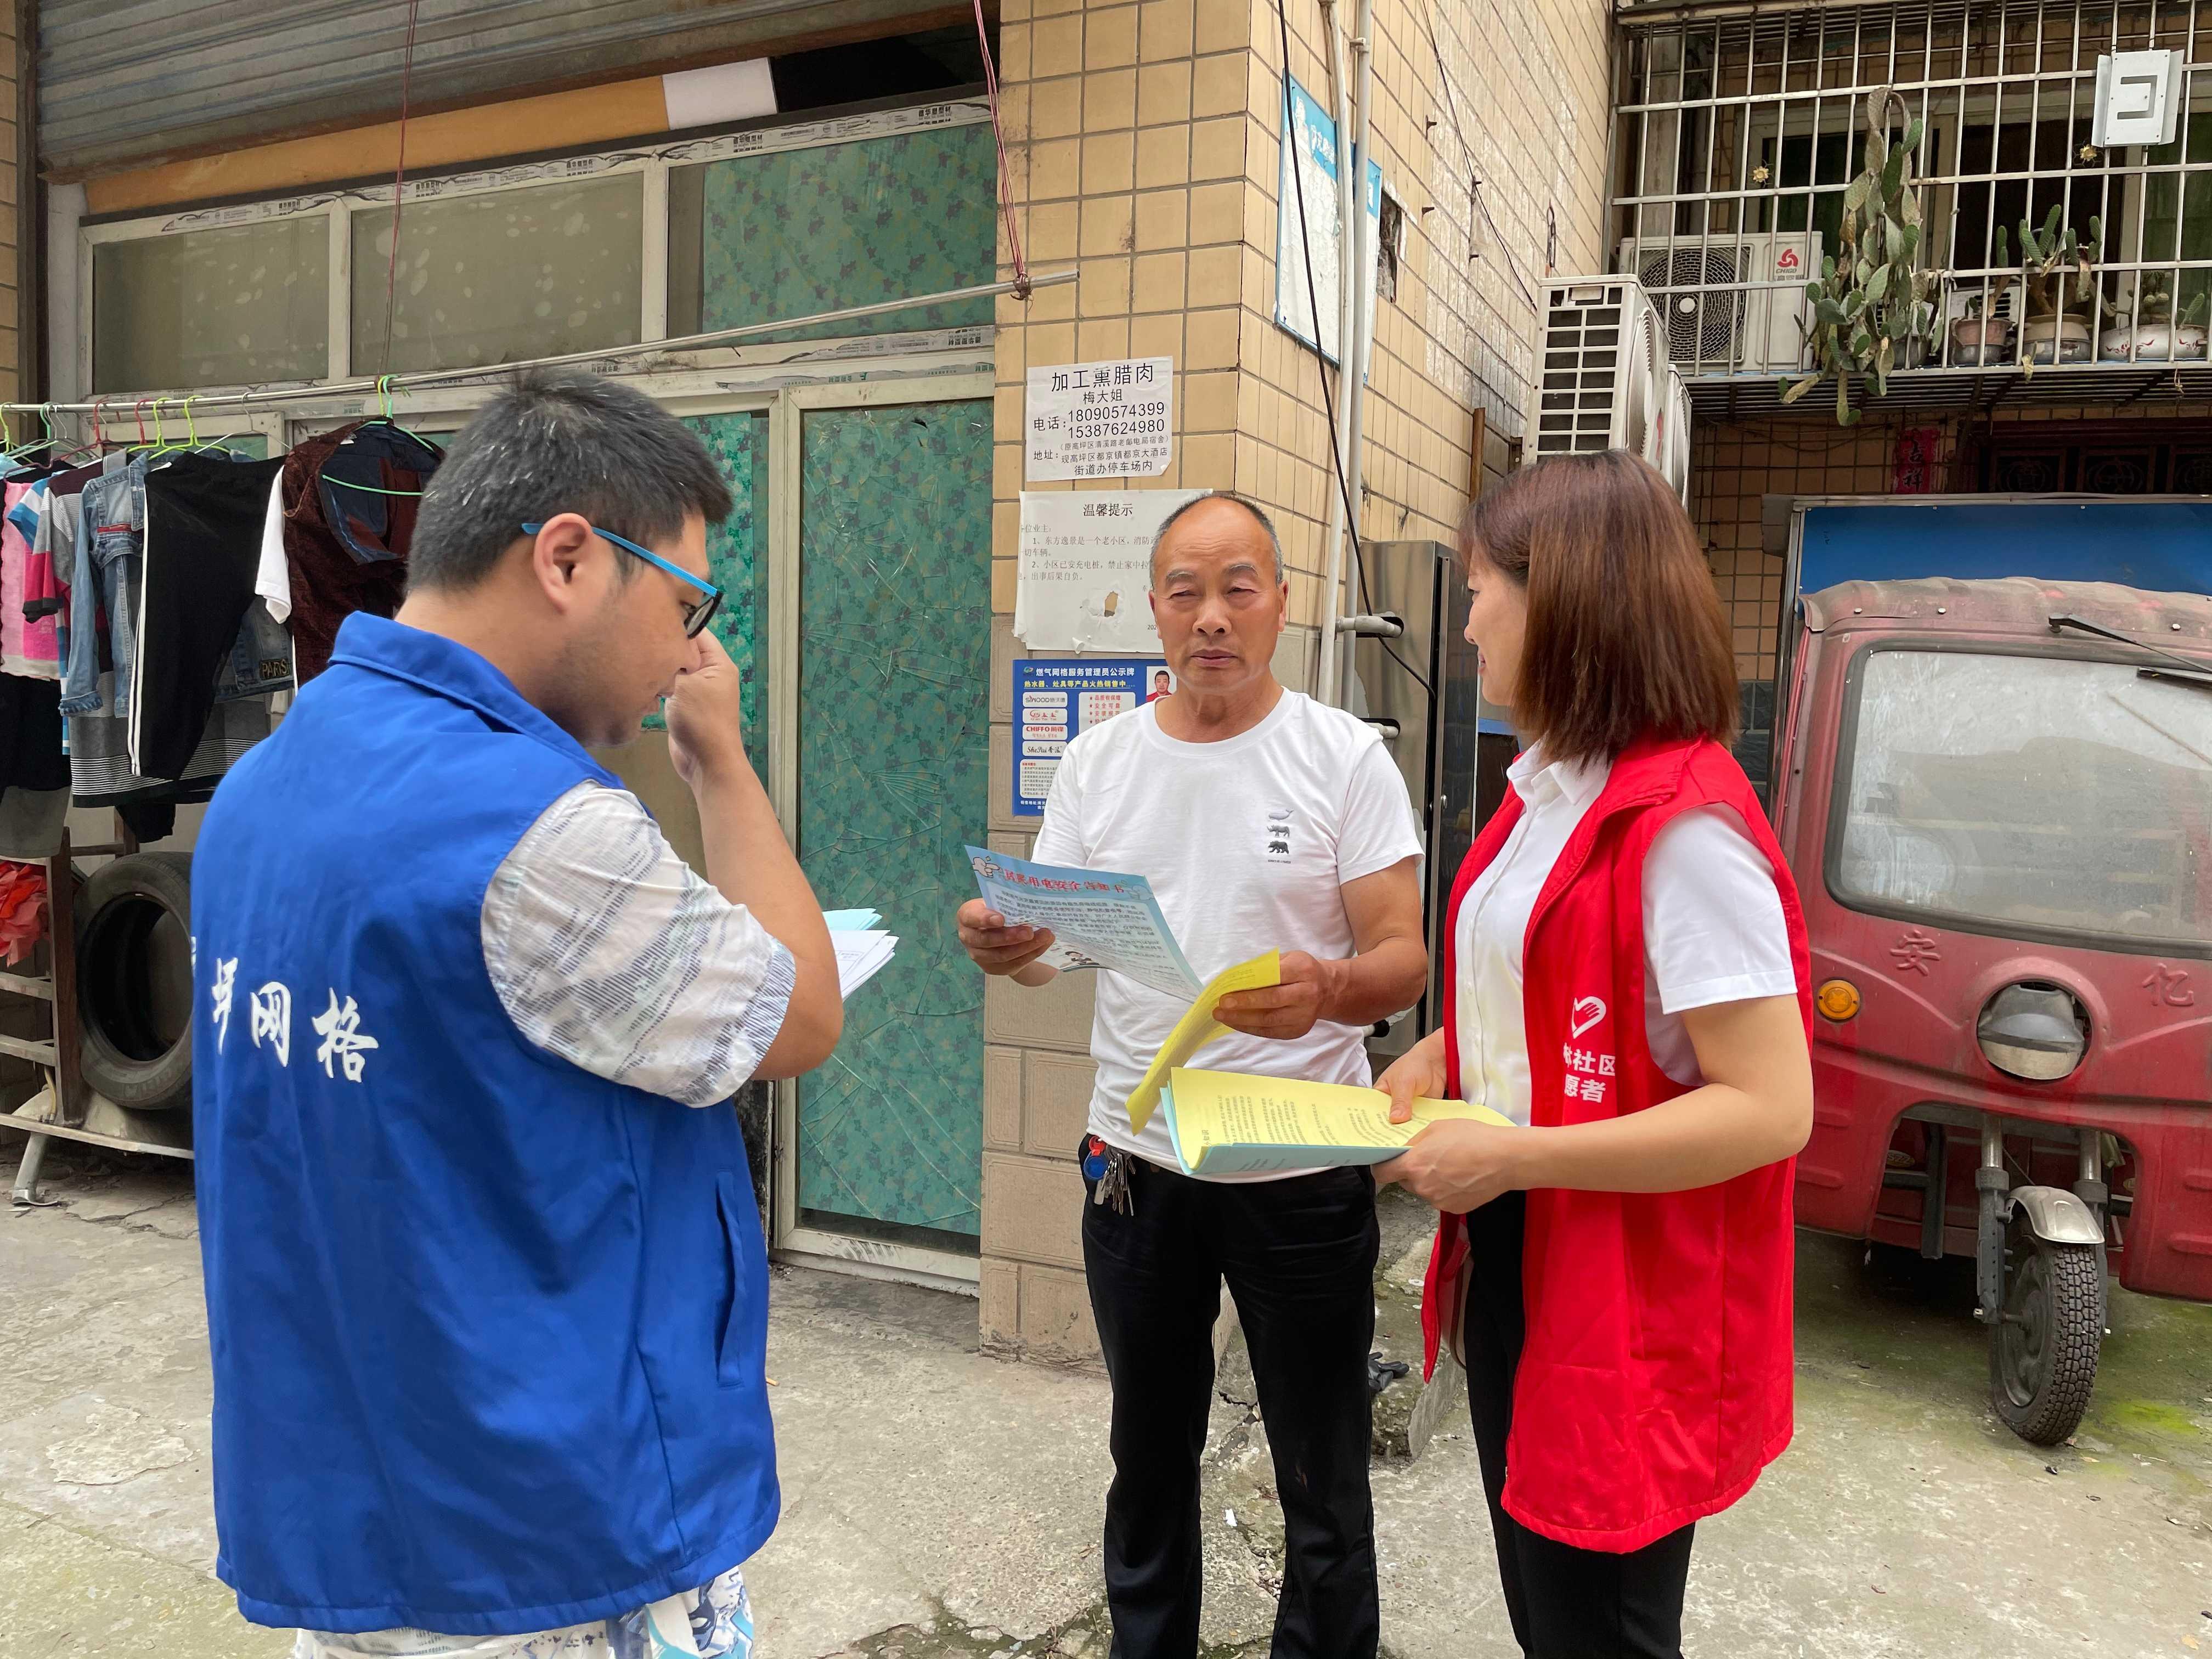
x,y
65,1107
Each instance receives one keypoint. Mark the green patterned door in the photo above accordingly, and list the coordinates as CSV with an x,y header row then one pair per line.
x,y
894,664
736,560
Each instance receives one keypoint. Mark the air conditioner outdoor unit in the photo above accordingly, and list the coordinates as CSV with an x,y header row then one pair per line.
x,y
1603,380
1715,324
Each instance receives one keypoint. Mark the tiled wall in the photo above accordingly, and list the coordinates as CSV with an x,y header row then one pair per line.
x,y
1143,148
1733,466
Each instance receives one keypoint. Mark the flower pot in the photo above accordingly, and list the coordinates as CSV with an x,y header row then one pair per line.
x,y
1977,342
2055,339
2152,342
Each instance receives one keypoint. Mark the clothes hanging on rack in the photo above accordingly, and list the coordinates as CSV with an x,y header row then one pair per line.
x,y
272,576
14,574
349,501
31,821
31,735
107,600
201,635
55,509
102,775
105,584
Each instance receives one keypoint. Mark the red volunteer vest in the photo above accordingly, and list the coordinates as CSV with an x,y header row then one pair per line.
x,y
1655,1381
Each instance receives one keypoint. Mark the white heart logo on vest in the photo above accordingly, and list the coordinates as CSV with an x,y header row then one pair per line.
x,y
1587,1011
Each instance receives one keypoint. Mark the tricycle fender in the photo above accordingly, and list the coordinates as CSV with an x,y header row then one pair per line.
x,y
2056,1216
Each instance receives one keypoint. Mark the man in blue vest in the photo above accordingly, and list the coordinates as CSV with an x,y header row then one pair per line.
x,y
486,1285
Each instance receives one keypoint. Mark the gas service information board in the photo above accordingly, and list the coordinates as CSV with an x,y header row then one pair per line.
x,y
1104,419
1056,699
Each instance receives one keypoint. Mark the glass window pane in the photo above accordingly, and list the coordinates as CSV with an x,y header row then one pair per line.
x,y
212,307
757,238
2064,796
500,277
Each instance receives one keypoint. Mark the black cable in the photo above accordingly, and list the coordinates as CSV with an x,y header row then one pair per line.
x,y
1475,185
1313,305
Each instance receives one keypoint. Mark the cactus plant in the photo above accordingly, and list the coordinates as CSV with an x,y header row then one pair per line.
x,y
2155,301
2051,260
2046,255
1872,301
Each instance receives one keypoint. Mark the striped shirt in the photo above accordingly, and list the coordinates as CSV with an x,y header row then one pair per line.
x,y
608,950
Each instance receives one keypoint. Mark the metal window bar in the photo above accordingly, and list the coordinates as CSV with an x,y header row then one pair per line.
x,y
1971,70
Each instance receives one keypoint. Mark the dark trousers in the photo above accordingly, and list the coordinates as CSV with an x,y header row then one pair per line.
x,y
1299,1258
1565,1602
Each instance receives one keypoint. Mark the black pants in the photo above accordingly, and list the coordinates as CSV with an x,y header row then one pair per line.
x,y
1299,1258
203,546
1565,1602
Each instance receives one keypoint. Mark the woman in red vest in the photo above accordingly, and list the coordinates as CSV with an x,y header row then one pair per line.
x,y
1625,975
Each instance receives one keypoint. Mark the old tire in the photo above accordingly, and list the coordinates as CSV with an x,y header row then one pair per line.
x,y
2043,1351
134,982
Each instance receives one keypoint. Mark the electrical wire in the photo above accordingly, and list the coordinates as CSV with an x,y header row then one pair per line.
x,y
1475,185
398,180
999,135
1321,364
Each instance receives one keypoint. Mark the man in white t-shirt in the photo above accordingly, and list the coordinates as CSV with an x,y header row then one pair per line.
x,y
1263,821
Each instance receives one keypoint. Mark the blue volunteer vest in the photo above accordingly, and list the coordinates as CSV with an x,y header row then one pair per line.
x,y
487,1330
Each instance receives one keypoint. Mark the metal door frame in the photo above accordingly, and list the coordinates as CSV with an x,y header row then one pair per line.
x,y
872,1258
751,390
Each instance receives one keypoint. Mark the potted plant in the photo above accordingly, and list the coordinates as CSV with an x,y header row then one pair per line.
x,y
1978,340
1871,309
2156,335
2059,326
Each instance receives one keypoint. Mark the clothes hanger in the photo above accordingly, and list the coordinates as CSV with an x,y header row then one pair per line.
x,y
167,445
386,418
46,416
384,391
95,447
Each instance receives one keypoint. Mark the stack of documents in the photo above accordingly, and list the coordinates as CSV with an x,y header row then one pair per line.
x,y
1098,919
862,947
1229,1123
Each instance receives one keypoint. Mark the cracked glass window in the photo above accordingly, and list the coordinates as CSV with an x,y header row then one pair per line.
x,y
894,625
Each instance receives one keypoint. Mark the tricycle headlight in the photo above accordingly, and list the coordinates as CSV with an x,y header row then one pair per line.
x,y
2035,1030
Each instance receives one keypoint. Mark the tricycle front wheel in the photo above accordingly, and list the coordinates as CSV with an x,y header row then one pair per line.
x,y
2043,1349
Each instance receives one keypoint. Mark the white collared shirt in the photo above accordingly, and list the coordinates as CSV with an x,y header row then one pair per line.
x,y
1713,929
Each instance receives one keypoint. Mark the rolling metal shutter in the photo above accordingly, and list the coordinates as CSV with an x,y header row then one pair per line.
x,y
127,84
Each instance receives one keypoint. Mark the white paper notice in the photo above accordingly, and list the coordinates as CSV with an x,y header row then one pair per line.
x,y
1109,420
1086,568
1098,919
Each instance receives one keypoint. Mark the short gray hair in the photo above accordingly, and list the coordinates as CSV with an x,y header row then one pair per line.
x,y
1275,542
550,444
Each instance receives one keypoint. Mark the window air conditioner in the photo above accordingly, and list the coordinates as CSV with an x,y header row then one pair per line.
x,y
1718,320
1604,381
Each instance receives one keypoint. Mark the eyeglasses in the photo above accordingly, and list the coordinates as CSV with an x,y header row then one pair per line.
x,y
696,614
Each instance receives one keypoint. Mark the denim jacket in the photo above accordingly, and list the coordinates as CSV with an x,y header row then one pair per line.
x,y
104,576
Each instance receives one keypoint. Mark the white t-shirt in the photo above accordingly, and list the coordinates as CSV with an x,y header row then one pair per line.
x,y
1246,843
272,572
1713,930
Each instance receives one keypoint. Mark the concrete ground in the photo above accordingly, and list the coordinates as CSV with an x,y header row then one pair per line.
x,y
938,1503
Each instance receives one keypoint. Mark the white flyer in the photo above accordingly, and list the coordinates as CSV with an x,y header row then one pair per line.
x,y
1086,579
1104,419
1098,919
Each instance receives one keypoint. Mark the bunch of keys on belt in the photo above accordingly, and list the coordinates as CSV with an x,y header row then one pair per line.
x,y
1107,1169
